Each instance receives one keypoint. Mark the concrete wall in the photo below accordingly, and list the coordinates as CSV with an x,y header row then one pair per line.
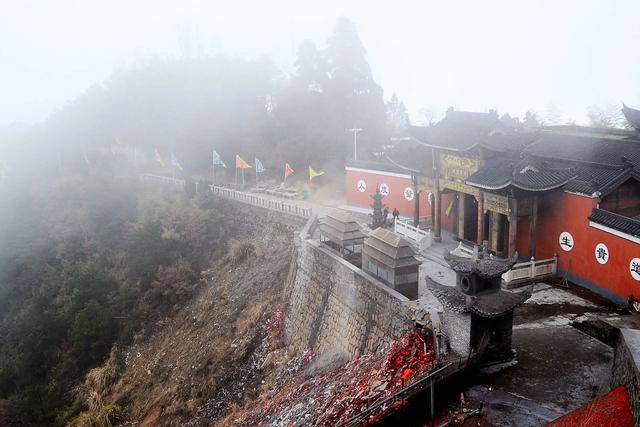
x,y
336,306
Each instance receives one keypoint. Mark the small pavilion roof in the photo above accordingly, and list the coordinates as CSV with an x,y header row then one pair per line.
x,y
341,228
489,304
485,267
389,249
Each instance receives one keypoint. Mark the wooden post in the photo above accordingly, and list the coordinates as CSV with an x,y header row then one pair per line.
x,y
513,227
495,228
416,208
532,227
461,213
437,223
480,236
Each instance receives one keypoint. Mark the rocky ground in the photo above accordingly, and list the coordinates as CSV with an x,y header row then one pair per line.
x,y
559,367
195,366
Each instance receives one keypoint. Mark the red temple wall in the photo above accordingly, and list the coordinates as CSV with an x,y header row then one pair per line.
x,y
569,212
397,184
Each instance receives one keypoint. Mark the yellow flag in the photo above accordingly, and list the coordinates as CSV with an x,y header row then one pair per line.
x,y
313,174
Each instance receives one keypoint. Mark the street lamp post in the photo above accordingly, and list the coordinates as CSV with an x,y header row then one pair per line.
x,y
355,141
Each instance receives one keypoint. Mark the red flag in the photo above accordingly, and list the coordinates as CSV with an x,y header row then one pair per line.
x,y
159,158
288,170
241,164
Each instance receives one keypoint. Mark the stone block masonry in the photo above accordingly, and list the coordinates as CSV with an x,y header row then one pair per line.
x,y
335,305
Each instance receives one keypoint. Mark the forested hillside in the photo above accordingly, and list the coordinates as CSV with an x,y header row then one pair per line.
x,y
87,261
234,105
86,264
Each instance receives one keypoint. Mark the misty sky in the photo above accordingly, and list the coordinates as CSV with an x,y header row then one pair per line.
x,y
474,55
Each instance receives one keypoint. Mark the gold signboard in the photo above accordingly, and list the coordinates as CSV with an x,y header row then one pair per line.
x,y
459,187
454,166
496,203
426,184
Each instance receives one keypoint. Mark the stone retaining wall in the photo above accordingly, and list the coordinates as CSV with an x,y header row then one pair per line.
x,y
336,306
625,368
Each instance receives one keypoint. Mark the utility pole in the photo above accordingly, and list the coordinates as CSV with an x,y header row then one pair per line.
x,y
355,141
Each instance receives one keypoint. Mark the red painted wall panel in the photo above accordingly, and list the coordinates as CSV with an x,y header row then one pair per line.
x,y
568,212
395,199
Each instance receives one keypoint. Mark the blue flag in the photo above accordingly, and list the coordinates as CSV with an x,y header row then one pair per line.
x,y
174,161
259,167
217,160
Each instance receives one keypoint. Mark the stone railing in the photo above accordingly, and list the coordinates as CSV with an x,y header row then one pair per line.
x,y
167,180
422,238
263,202
531,270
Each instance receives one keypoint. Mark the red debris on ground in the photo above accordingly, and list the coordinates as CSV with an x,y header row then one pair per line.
x,y
344,392
611,410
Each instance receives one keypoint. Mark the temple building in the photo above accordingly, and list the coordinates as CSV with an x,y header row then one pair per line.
x,y
477,313
391,259
567,190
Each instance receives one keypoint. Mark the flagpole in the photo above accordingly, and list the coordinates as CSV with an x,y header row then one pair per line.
x,y
213,180
243,178
236,177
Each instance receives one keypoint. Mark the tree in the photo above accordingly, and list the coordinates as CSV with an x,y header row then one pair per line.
x,y
397,117
552,115
531,120
608,117
429,114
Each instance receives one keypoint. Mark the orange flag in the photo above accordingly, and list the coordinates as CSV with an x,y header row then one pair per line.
x,y
241,164
288,170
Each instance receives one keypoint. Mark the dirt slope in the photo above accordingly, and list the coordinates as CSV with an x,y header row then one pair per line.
x,y
200,360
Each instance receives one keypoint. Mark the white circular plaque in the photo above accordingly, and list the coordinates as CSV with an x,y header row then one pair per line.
x,y
409,193
361,186
384,189
430,198
566,241
634,268
602,253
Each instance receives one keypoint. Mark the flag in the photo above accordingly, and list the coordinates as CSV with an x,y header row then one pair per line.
x,y
259,167
449,209
217,160
313,173
174,161
241,164
288,170
159,157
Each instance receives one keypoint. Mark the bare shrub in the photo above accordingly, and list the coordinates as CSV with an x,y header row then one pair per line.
x,y
239,250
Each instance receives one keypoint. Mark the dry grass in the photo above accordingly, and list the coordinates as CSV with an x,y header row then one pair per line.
x,y
239,250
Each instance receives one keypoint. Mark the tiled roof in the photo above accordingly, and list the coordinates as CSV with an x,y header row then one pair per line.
x,y
389,248
526,175
594,148
616,221
378,166
483,267
489,304
462,130
341,228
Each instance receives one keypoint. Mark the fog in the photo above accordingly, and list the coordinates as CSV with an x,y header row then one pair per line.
x,y
510,56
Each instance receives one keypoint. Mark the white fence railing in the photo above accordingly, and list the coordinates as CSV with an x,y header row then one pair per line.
x,y
175,182
531,270
422,238
264,202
